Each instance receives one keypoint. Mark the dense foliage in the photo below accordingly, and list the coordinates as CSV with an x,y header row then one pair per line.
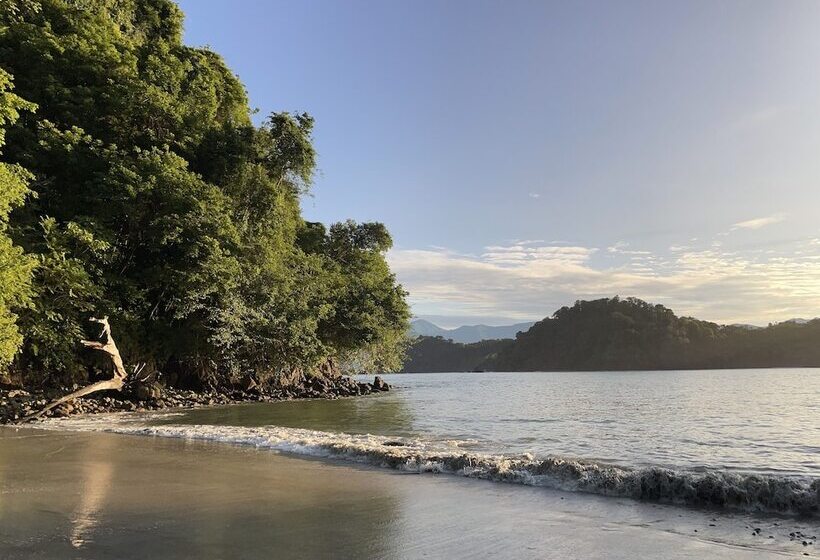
x,y
157,202
15,267
630,334
436,353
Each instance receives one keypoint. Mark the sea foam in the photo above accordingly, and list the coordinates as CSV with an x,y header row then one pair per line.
x,y
711,489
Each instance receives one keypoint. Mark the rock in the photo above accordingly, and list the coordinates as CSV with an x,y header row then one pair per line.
x,y
148,391
379,384
18,393
66,408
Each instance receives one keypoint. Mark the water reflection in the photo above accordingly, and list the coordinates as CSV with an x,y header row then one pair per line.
x,y
97,473
114,496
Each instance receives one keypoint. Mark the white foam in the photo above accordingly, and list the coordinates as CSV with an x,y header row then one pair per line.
x,y
776,494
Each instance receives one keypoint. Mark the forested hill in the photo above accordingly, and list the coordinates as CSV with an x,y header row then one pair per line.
x,y
434,353
133,184
630,334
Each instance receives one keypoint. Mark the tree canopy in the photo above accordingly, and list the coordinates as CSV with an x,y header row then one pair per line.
x,y
626,334
156,201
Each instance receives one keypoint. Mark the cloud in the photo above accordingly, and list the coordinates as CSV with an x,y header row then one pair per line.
x,y
532,281
621,248
758,223
534,195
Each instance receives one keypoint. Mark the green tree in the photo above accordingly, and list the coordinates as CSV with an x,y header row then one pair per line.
x,y
15,267
160,204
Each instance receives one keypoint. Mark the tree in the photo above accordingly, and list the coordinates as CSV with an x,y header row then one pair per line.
x,y
15,266
371,317
158,203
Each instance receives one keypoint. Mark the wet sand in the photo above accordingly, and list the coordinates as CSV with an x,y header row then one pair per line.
x,y
97,495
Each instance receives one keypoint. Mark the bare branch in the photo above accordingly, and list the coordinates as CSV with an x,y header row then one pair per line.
x,y
116,383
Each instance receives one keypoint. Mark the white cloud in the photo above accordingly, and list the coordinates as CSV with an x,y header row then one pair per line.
x,y
532,281
534,195
758,223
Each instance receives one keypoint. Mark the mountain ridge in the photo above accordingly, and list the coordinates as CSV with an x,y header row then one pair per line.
x,y
467,334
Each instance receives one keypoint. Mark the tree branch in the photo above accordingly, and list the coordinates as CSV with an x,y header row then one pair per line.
x,y
116,383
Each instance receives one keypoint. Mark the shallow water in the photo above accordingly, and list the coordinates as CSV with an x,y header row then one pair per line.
x,y
100,496
758,421
738,440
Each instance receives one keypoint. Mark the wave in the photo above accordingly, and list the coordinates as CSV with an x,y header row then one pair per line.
x,y
710,489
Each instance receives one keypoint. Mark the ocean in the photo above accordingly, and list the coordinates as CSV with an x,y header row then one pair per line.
x,y
734,440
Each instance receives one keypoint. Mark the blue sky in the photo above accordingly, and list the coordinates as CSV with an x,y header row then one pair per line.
x,y
525,154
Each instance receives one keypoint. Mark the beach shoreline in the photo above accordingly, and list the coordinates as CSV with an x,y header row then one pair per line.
x,y
102,495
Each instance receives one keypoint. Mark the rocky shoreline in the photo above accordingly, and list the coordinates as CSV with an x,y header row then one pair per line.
x,y
17,403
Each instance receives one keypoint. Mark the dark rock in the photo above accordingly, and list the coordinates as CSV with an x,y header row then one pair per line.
x,y
65,409
148,391
152,396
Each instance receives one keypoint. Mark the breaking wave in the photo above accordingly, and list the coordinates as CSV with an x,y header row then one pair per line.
x,y
711,489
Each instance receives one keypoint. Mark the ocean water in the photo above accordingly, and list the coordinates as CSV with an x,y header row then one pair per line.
x,y
722,439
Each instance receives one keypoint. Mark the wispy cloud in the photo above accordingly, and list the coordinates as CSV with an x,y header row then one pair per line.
x,y
758,223
527,282
534,195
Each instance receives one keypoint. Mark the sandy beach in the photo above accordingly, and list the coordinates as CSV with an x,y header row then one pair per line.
x,y
99,495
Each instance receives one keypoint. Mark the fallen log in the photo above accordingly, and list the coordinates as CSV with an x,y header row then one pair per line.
x,y
106,345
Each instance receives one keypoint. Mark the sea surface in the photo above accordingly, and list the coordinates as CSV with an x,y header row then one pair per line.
x,y
744,440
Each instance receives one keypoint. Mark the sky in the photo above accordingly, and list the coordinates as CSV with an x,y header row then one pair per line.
x,y
526,154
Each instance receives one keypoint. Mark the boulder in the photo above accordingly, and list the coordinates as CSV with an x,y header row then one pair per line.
x,y
380,384
147,391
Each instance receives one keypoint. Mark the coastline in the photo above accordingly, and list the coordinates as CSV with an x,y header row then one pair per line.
x,y
16,403
107,495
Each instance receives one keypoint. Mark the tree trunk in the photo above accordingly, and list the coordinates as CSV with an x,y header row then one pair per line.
x,y
107,345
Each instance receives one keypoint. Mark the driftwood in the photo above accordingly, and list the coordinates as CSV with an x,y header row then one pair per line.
x,y
107,345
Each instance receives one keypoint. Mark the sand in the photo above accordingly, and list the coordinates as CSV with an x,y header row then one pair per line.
x,y
97,495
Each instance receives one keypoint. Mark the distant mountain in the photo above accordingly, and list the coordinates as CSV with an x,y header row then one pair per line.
x,y
627,334
746,326
469,333
420,327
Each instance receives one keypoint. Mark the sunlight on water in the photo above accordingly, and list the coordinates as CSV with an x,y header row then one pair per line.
x,y
705,438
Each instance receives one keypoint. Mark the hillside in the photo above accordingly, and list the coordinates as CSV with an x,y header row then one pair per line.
x,y
468,334
430,353
630,334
